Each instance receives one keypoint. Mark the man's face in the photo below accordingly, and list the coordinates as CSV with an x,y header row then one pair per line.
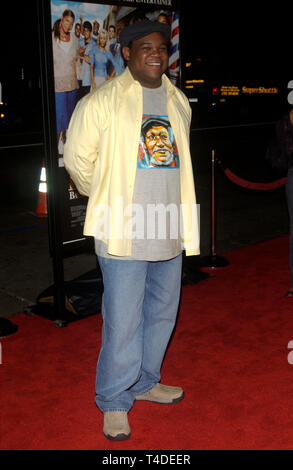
x,y
77,30
148,59
162,19
86,33
159,147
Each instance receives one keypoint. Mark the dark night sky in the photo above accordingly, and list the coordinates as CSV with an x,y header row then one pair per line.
x,y
20,30
251,43
236,42
235,39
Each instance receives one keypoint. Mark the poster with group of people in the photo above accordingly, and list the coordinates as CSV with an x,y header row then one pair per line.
x,y
86,52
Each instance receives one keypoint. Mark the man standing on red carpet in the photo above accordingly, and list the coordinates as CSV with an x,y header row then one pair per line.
x,y
128,150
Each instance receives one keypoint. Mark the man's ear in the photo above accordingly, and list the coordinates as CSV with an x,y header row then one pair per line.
x,y
126,53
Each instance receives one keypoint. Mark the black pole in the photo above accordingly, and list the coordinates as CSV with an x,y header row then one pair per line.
x,y
213,261
51,159
213,207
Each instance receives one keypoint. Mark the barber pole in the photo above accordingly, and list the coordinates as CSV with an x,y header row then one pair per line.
x,y
174,55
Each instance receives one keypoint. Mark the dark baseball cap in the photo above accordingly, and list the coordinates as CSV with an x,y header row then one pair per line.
x,y
140,29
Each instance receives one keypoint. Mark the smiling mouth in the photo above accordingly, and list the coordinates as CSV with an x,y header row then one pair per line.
x,y
154,64
160,155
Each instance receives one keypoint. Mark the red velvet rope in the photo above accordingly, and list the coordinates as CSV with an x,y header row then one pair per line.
x,y
253,185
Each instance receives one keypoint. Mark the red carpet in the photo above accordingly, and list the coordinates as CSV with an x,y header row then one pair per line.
x,y
229,352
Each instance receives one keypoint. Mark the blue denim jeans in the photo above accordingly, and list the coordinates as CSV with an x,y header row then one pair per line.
x,y
139,308
289,196
65,104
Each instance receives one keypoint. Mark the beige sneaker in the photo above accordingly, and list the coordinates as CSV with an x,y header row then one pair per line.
x,y
116,427
163,394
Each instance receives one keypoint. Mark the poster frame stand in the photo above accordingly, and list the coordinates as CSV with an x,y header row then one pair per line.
x,y
51,162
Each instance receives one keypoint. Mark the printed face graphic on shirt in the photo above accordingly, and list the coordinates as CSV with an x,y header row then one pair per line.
x,y
157,147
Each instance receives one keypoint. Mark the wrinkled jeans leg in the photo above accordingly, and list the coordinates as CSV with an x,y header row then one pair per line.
x,y
289,196
120,357
160,308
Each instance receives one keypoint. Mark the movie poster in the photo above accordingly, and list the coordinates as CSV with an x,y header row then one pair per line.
x,y
86,52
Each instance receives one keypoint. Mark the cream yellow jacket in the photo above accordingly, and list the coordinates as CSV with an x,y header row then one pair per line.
x,y
100,155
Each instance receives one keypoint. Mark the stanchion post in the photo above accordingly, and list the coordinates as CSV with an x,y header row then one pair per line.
x,y
213,211
213,261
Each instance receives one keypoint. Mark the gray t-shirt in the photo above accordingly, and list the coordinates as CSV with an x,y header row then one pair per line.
x,y
156,198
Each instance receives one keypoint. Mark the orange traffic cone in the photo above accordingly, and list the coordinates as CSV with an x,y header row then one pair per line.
x,y
42,198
